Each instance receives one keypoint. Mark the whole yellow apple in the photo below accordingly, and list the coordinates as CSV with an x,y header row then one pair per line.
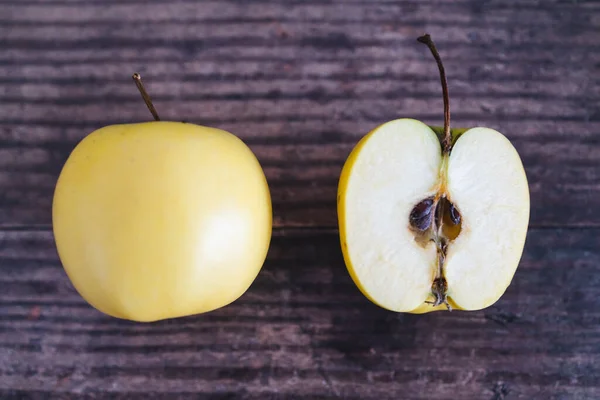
x,y
159,220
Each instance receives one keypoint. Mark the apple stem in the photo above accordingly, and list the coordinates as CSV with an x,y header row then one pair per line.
x,y
447,141
138,82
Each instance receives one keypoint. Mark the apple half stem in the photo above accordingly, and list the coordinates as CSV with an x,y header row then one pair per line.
x,y
454,132
137,78
447,141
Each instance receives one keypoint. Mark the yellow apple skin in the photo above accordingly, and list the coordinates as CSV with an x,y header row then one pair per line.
x,y
160,220
341,208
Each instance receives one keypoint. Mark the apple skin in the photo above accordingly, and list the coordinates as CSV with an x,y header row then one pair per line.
x,y
160,220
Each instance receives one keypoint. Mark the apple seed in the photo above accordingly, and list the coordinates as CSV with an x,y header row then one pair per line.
x,y
421,215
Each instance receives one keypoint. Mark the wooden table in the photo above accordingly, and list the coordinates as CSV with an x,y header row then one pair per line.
x,y
301,82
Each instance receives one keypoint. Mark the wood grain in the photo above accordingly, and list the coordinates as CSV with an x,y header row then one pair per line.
x,y
303,331
301,83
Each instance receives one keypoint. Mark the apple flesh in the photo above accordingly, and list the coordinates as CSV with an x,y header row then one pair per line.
x,y
159,220
424,229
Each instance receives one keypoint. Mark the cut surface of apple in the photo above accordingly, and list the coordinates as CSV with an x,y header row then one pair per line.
x,y
413,217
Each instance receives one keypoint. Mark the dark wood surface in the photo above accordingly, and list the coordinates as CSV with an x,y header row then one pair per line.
x,y
301,82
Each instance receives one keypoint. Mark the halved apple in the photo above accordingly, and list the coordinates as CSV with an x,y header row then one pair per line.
x,y
429,221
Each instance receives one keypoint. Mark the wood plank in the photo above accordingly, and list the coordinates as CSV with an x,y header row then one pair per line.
x,y
21,34
304,331
301,82
155,11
